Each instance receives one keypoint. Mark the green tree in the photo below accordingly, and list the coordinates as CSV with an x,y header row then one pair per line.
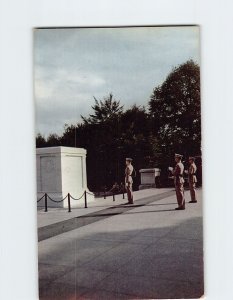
x,y
40,141
135,138
175,111
69,136
104,110
108,142
53,140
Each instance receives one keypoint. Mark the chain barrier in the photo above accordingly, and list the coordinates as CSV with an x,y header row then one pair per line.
x,y
57,201
77,198
41,198
120,189
85,193
92,194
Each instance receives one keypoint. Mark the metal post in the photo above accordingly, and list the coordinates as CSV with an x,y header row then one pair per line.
x,y
113,196
69,207
85,197
105,193
123,192
46,202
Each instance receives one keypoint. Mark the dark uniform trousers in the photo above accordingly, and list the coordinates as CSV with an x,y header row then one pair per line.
x,y
192,187
129,190
179,186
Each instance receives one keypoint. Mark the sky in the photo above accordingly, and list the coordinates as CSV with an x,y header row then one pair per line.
x,y
72,66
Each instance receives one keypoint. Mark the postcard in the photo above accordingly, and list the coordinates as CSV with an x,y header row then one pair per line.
x,y
119,162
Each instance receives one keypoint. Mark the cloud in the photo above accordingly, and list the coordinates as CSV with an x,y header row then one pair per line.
x,y
73,65
51,81
62,96
85,80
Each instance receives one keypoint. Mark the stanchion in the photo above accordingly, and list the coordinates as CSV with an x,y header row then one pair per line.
x,y
69,207
85,197
46,202
105,193
113,196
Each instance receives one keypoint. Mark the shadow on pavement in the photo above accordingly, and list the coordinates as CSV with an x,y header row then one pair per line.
x,y
149,263
155,204
151,211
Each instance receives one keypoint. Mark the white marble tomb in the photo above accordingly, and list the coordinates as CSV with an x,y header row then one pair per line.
x,y
61,170
148,178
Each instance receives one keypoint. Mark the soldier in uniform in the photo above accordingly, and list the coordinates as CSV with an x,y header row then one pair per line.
x,y
179,182
192,179
129,180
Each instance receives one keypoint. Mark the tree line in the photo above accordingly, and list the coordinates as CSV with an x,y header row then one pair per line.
x,y
151,134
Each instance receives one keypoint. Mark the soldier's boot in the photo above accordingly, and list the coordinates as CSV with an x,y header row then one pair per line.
x,y
181,207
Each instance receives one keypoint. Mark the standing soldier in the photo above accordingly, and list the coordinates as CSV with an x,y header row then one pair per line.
x,y
192,179
129,180
179,182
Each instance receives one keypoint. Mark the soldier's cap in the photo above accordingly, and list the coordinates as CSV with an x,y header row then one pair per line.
x,y
128,159
191,158
178,155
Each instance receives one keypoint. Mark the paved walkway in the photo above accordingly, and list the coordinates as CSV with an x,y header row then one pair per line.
x,y
149,251
55,215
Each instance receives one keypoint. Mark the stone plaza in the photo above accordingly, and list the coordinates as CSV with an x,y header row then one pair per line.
x,y
114,251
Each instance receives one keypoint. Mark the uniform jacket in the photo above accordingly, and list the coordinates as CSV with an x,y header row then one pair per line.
x,y
192,173
128,174
178,173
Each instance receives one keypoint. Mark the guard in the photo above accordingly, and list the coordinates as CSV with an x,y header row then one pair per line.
x,y
192,179
179,182
129,180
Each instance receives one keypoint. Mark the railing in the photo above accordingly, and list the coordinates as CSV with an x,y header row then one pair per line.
x,y
113,190
46,197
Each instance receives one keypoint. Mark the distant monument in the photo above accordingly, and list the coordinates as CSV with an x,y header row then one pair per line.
x,y
61,170
149,178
